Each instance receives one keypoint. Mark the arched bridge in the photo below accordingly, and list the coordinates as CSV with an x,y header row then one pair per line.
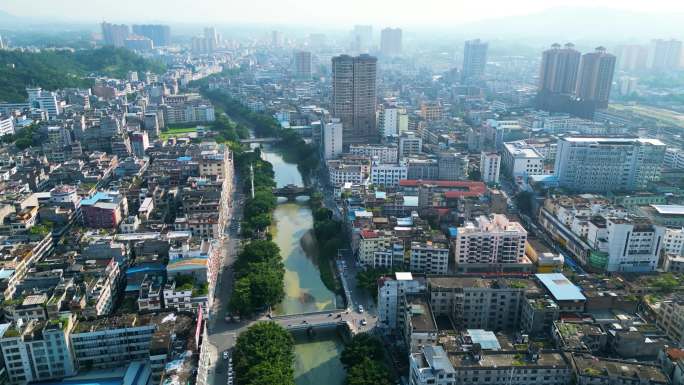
x,y
291,191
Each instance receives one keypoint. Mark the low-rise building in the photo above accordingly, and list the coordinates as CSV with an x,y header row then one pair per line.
x,y
591,370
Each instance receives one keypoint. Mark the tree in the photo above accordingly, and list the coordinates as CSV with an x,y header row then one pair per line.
x,y
368,372
241,297
264,354
368,280
475,174
361,346
260,251
524,202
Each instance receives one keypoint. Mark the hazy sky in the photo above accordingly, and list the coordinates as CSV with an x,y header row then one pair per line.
x,y
313,12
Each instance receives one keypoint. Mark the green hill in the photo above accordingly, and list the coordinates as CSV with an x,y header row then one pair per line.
x,y
58,69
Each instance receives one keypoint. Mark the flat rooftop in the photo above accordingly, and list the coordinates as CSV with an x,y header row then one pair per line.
x,y
608,140
497,360
669,209
560,287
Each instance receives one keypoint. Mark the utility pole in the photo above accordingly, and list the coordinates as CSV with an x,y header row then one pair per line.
x,y
251,175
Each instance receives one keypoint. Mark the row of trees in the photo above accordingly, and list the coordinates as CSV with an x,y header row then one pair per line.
x,y
264,355
363,359
259,275
293,147
330,236
258,210
259,270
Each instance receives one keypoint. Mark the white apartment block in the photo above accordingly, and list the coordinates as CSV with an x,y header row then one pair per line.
x,y
332,139
392,121
674,241
388,175
181,299
634,244
433,365
341,173
392,293
674,157
489,167
390,257
520,159
101,291
490,240
429,258
410,144
37,351
377,153
370,242
670,318
598,164
6,125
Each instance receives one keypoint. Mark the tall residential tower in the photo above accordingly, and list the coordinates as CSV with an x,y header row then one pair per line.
x,y
474,60
353,97
595,77
390,41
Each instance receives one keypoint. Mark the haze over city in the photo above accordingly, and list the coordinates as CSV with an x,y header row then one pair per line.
x,y
341,193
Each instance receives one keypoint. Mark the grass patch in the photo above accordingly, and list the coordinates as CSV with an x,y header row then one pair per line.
x,y
177,131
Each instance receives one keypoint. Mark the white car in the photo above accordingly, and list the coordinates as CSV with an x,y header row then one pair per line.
x,y
360,308
363,322
225,355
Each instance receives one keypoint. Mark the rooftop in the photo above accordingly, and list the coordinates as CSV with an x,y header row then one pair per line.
x,y
560,287
598,367
498,360
669,209
613,141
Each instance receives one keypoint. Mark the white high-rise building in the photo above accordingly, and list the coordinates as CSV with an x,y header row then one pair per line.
x,y
521,160
494,240
332,139
674,158
601,164
489,167
392,292
674,241
6,125
45,100
634,244
388,120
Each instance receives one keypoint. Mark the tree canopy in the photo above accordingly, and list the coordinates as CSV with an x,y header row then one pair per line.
x,y
56,69
264,355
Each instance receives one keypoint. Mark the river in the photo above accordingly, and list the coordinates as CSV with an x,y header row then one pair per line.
x,y
317,359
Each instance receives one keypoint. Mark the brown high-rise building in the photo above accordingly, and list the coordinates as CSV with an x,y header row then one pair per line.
x,y
559,69
595,77
353,97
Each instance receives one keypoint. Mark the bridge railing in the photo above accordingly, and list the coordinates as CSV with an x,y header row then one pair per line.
x,y
302,315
